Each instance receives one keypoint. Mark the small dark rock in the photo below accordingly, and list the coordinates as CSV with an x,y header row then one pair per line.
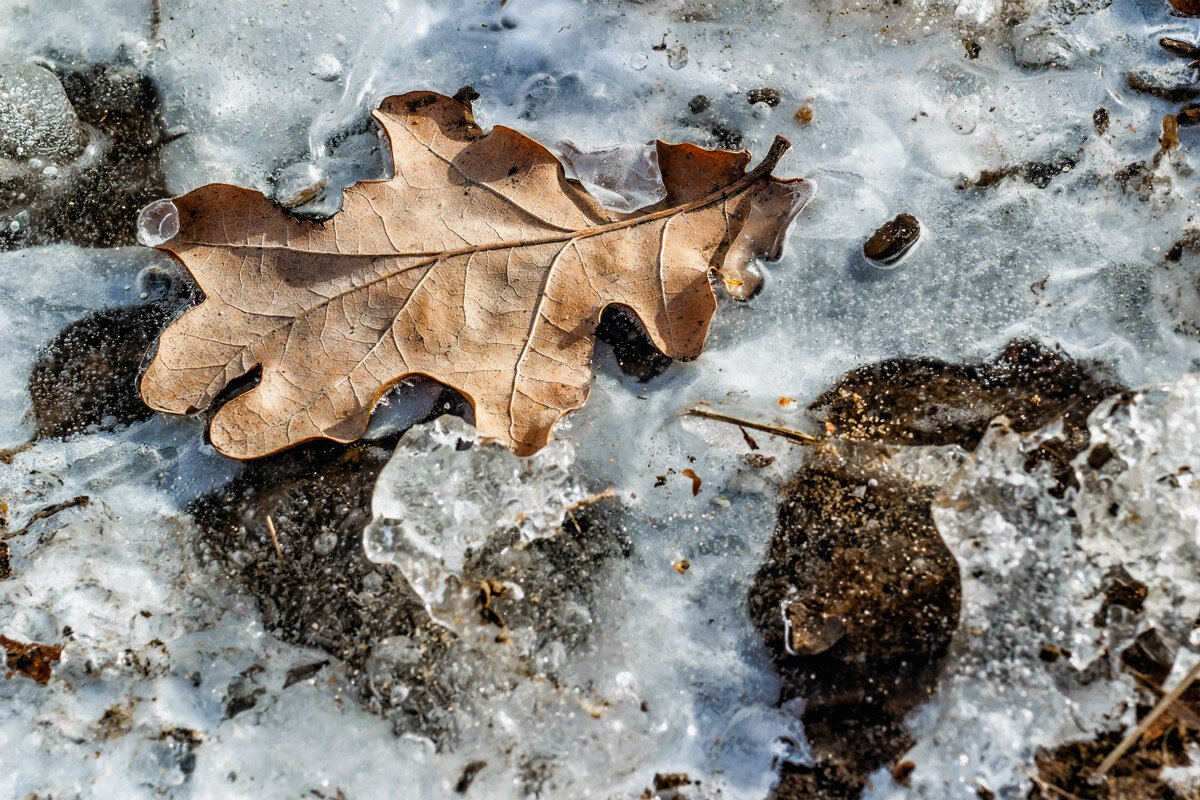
x,y
303,672
1100,120
1123,590
699,104
892,240
468,776
765,95
1179,47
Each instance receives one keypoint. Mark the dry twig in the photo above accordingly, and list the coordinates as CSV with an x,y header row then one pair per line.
x,y
274,538
1130,738
49,511
799,437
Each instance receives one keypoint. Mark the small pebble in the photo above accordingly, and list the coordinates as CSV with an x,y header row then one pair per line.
x,y
892,240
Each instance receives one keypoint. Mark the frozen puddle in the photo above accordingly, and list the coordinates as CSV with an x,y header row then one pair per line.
x,y
579,625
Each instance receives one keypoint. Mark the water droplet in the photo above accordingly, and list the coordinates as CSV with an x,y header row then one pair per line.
x,y
157,223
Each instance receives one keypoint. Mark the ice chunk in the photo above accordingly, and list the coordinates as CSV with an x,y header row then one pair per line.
x,y
326,67
447,493
1033,662
36,119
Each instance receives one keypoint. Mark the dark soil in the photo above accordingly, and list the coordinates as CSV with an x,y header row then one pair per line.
x,y
320,589
323,592
636,355
1037,173
86,378
857,601
926,401
1137,775
98,205
858,598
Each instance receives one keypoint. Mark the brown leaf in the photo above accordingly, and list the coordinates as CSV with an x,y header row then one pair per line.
x,y
479,264
31,660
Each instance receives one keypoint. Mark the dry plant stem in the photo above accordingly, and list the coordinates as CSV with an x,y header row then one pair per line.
x,y
1050,788
1161,706
49,511
787,433
155,18
590,499
1179,709
274,538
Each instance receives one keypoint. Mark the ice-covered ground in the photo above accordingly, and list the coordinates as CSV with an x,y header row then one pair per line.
x,y
981,119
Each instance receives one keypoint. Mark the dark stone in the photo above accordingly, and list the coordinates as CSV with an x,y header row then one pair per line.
x,y
1179,47
892,240
766,95
468,776
1100,120
699,104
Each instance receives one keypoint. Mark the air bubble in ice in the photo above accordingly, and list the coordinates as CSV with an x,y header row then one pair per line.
x,y
964,114
157,223
639,61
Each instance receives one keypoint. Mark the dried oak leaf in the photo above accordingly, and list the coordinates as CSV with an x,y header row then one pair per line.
x,y
31,660
479,264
